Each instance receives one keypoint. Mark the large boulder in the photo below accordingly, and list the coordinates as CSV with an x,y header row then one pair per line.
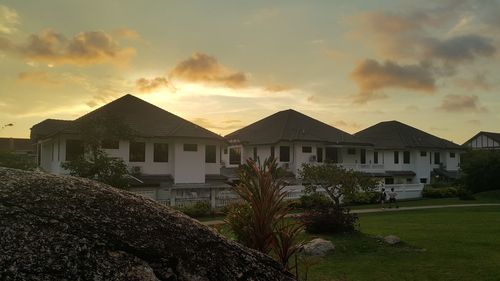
x,y
318,247
68,228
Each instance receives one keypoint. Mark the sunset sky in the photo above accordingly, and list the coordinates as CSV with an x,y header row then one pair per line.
x,y
434,65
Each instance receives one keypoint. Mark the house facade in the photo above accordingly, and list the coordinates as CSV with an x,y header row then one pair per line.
x,y
294,139
484,140
409,155
163,149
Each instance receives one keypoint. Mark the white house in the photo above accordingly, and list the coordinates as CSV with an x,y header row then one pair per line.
x,y
484,140
165,149
294,139
409,155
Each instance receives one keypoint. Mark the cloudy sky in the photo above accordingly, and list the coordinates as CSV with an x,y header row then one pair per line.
x,y
434,65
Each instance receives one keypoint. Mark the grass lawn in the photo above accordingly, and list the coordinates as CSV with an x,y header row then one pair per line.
x,y
440,244
483,197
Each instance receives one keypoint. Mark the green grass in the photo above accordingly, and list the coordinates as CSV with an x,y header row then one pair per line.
x,y
481,198
439,244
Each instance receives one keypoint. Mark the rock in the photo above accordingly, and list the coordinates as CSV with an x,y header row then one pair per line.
x,y
318,247
68,228
392,240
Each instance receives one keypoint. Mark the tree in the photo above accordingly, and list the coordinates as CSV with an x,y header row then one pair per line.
x,y
335,180
481,170
95,163
17,161
260,222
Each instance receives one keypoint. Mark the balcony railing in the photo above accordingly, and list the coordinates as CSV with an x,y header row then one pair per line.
x,y
363,167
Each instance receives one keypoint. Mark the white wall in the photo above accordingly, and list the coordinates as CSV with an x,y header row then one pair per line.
x,y
189,165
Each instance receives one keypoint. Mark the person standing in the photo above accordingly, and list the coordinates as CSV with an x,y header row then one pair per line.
x,y
392,198
383,198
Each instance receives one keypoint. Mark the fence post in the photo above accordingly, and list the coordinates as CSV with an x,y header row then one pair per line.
x,y
172,197
212,198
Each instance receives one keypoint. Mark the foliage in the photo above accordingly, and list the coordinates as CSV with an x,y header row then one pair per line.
x,y
335,180
315,200
481,170
358,198
330,220
17,161
259,222
464,194
95,163
102,168
197,210
441,192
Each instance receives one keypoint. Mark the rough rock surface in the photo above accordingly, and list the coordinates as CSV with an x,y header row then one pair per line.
x,y
392,240
318,247
67,228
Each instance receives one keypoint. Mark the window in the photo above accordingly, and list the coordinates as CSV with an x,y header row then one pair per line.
x,y
74,149
396,157
190,147
406,157
284,154
319,154
423,153
389,180
363,156
210,154
137,152
452,154
331,155
423,180
437,158
375,157
307,149
235,155
272,151
110,144
409,180
160,152
351,151
255,153
225,150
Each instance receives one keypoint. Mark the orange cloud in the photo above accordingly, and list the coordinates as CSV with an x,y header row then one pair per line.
x,y
85,48
372,76
458,103
149,85
39,77
276,88
206,69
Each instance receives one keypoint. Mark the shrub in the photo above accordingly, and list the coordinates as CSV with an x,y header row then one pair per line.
x,y
330,220
198,210
368,197
17,161
480,170
464,194
442,192
315,200
238,218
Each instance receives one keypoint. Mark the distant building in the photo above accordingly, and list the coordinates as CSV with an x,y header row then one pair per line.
x,y
410,155
17,146
166,149
484,140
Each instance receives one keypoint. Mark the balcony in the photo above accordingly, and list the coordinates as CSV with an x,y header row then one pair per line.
x,y
364,167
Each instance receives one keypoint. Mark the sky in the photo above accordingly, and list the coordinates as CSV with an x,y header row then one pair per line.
x,y
434,65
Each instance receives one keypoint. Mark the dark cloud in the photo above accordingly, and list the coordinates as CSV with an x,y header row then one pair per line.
x,y
372,76
459,48
85,48
479,81
206,69
144,85
459,103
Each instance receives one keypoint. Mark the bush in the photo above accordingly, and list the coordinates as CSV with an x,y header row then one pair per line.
x,y
238,217
464,194
315,200
368,197
442,192
17,161
330,220
198,210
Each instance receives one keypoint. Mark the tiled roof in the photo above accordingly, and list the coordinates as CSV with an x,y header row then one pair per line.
x,y
396,135
48,127
144,119
290,125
